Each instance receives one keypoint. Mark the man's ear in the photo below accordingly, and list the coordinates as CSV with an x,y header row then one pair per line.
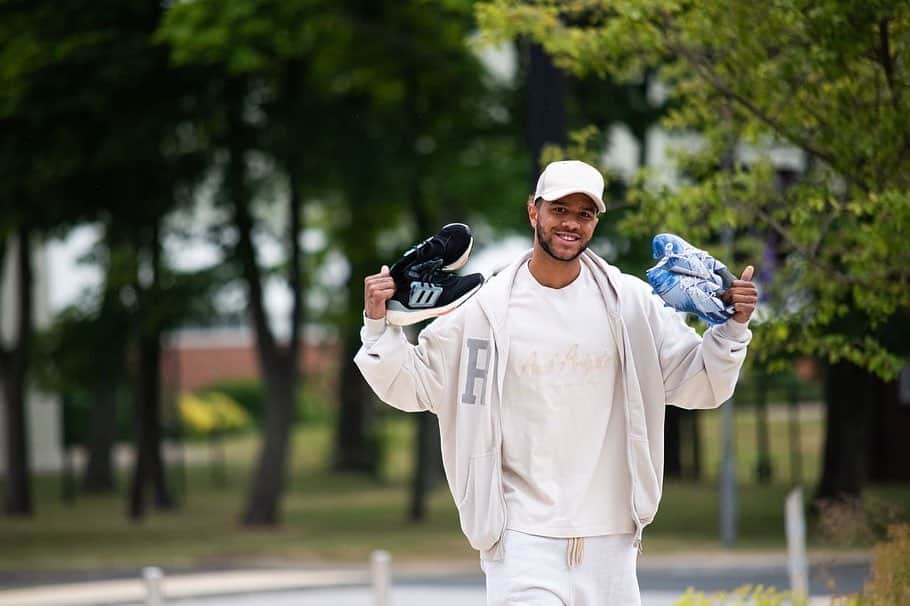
x,y
532,214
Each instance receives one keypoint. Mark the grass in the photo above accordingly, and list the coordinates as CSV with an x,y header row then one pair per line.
x,y
340,518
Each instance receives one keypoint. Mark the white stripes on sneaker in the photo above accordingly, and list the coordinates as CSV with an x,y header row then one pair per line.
x,y
424,294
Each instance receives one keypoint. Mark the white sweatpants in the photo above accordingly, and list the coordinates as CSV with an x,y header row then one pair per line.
x,y
543,571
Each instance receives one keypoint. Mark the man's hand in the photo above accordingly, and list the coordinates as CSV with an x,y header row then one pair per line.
x,y
743,295
377,289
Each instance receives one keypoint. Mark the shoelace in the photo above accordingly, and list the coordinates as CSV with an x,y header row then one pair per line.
x,y
709,263
419,248
429,271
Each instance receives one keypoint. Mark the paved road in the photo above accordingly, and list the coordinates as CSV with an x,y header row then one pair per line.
x,y
663,580
661,586
409,595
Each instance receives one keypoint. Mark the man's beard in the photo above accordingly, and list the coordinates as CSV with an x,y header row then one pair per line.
x,y
546,247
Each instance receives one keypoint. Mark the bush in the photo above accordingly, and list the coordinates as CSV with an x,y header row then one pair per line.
x,y
856,522
248,393
748,594
211,414
890,582
313,404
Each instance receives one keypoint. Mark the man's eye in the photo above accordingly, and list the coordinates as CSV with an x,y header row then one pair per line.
x,y
586,215
559,210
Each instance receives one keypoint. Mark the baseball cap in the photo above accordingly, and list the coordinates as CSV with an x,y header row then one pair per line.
x,y
566,177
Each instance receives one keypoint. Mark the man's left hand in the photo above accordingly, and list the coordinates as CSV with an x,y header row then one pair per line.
x,y
743,295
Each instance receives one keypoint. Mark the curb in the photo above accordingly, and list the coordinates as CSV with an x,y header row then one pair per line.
x,y
180,586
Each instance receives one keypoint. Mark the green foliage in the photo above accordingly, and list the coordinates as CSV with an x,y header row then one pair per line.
x,y
211,414
750,595
850,522
248,393
778,387
890,582
313,403
582,146
826,79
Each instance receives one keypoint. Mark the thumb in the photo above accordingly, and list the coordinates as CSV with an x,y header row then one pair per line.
x,y
385,270
747,273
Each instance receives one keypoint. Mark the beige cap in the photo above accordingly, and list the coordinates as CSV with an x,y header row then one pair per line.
x,y
566,177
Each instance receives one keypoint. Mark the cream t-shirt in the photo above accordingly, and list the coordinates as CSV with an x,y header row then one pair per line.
x,y
565,470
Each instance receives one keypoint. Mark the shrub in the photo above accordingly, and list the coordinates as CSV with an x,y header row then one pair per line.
x,y
856,522
312,406
212,413
248,393
890,582
753,595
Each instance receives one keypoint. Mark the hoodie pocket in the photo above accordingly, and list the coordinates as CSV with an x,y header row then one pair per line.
x,y
480,509
645,484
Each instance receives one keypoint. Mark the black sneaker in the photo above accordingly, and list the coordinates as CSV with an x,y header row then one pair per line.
x,y
426,291
452,244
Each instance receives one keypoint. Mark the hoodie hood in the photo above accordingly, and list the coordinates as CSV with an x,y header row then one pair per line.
x,y
493,298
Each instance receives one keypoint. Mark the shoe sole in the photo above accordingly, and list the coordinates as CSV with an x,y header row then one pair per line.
x,y
406,318
460,262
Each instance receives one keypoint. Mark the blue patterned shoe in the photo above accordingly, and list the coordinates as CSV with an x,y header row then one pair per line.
x,y
689,279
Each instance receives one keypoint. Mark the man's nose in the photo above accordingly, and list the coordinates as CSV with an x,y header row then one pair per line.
x,y
571,220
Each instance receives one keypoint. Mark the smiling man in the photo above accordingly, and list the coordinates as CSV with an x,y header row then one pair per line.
x,y
550,386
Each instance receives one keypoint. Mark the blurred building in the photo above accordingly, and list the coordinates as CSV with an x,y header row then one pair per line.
x,y
43,411
195,358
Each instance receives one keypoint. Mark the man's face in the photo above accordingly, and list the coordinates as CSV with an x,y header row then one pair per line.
x,y
563,228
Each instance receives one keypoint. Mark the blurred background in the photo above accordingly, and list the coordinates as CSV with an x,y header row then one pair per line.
x,y
192,191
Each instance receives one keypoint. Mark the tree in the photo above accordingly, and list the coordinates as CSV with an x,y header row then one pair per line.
x,y
268,65
86,143
430,138
13,374
102,327
445,135
826,79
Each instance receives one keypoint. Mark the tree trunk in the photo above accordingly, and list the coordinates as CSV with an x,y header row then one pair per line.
x,y
269,479
354,449
682,449
14,375
99,472
547,122
763,470
695,443
277,365
149,465
428,470
844,460
672,442
641,133
793,432
889,448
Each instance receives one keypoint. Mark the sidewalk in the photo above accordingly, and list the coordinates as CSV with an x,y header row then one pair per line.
x,y
663,580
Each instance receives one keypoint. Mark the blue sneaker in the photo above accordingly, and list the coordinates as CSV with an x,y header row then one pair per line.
x,y
689,279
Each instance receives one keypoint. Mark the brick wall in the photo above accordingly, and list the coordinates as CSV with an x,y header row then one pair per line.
x,y
192,360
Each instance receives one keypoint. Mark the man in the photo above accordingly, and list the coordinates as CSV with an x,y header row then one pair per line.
x,y
550,385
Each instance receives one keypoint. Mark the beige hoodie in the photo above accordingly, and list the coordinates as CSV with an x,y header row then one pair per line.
x,y
458,366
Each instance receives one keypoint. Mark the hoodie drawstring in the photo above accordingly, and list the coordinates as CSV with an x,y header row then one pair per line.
x,y
576,551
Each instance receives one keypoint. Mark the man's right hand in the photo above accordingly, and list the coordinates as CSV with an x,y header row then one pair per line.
x,y
377,289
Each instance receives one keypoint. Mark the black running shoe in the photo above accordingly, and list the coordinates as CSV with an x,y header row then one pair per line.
x,y
426,291
452,244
